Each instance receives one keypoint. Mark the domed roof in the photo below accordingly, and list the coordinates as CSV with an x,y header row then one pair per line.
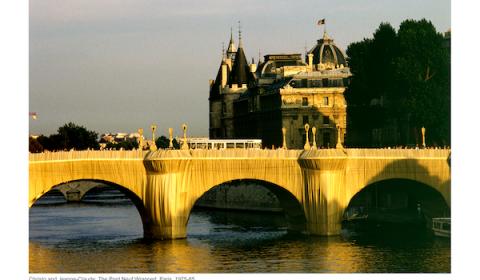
x,y
327,54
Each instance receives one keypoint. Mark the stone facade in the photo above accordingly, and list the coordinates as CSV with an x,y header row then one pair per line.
x,y
282,92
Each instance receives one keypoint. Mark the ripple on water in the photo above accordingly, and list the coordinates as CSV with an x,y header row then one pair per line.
x,y
108,238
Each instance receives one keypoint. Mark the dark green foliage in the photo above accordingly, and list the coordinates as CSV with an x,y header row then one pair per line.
x,y
46,142
77,137
163,142
401,83
124,145
70,136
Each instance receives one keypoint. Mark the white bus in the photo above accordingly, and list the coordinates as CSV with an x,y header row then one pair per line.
x,y
216,144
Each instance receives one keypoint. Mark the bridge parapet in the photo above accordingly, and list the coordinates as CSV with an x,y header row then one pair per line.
x,y
166,161
398,153
86,155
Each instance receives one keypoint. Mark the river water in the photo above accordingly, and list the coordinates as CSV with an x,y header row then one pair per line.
x,y
103,234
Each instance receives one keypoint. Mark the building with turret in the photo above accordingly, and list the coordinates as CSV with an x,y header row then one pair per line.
x,y
233,77
249,101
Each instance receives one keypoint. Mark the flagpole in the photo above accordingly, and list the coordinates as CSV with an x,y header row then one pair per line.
x,y
322,22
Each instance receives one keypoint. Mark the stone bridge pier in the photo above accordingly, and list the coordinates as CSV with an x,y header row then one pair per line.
x,y
324,191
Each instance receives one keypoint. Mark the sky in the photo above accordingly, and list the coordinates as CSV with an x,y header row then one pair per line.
x,y
118,65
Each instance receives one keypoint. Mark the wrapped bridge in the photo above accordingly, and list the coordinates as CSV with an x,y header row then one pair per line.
x,y
313,186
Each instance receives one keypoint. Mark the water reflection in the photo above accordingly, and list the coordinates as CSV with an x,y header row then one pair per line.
x,y
107,237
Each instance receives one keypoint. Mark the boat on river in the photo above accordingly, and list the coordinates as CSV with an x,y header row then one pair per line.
x,y
441,227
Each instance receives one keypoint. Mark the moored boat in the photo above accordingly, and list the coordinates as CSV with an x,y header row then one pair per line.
x,y
441,227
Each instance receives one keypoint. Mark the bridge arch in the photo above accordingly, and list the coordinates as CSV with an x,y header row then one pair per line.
x,y
435,175
398,198
290,204
132,196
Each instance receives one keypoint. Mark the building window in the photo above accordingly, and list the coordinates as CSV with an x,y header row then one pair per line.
x,y
224,107
305,120
325,82
316,83
304,101
326,120
325,101
304,83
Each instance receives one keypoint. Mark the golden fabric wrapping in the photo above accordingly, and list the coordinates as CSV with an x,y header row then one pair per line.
x,y
167,183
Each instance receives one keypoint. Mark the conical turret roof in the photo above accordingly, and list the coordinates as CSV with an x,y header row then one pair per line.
x,y
215,90
240,70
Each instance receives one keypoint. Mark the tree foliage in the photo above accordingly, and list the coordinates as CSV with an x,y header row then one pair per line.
x,y
400,80
124,145
77,137
163,142
69,136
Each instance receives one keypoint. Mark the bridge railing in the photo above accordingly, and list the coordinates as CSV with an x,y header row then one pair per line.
x,y
209,144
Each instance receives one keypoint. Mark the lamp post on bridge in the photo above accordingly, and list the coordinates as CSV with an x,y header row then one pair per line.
x,y
307,142
339,139
184,145
170,132
140,139
423,138
284,131
153,147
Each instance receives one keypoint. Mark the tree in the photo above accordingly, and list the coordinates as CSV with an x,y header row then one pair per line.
x,y
423,74
72,136
163,142
400,83
46,142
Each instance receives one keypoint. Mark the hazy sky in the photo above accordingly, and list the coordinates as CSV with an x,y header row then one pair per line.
x,y
117,65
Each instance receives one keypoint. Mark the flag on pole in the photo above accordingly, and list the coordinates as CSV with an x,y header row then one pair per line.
x,y
320,22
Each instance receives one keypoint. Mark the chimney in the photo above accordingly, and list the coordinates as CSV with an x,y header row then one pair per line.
x,y
228,61
310,61
253,66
